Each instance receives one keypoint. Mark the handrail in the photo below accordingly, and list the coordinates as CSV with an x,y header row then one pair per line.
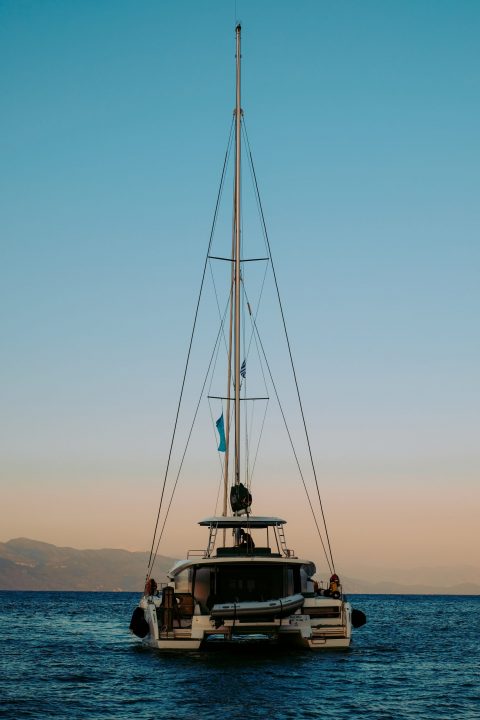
x,y
196,553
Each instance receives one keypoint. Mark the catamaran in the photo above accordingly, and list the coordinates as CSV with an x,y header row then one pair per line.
x,y
247,583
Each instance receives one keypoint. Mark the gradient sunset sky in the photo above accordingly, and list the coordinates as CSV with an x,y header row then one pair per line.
x,y
364,122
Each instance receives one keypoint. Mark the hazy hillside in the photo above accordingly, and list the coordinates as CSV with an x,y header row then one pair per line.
x,y
440,580
385,587
31,565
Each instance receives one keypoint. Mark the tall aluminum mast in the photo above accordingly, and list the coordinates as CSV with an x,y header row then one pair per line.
x,y
238,130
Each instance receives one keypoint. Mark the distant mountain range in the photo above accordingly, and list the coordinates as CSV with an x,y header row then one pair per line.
x,y
441,580
385,587
32,565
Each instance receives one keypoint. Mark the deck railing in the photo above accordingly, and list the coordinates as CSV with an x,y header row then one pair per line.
x,y
196,553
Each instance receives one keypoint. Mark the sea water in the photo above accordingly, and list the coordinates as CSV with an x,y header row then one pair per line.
x,y
70,655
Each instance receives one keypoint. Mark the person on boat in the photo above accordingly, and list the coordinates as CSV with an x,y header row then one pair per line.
x,y
246,540
333,589
334,583
150,587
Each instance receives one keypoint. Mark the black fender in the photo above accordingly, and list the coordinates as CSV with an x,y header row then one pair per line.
x,y
358,618
138,624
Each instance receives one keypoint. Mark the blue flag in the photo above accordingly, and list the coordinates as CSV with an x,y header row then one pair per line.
x,y
221,431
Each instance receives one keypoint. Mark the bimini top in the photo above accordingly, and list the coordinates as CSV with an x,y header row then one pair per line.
x,y
237,521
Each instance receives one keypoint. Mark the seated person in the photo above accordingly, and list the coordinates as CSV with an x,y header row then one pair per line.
x,y
246,540
333,589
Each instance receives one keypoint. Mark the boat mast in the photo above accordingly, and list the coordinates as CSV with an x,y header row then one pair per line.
x,y
229,390
238,119
234,303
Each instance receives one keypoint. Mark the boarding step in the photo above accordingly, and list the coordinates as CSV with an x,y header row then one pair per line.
x,y
252,623
175,634
182,633
329,633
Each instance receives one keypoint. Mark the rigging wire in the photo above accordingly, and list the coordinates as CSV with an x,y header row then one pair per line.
x,y
330,564
247,354
222,462
258,306
265,411
214,425
253,337
259,441
222,468
243,384
217,301
188,439
288,342
253,319
212,231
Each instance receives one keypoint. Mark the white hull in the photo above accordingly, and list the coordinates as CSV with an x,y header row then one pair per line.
x,y
322,624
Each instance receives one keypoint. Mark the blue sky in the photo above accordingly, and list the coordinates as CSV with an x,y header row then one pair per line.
x,y
363,119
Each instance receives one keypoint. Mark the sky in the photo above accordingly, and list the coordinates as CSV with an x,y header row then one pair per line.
x,y
363,121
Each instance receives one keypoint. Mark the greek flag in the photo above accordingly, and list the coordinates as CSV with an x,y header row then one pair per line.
x,y
221,431
243,369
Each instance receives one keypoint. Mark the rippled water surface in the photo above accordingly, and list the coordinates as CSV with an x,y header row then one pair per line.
x,y
70,655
